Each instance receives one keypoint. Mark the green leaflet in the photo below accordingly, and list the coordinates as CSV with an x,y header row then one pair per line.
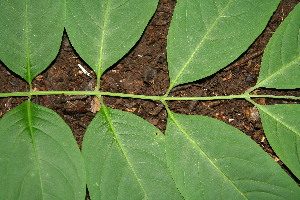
x,y
125,159
30,36
205,36
282,127
39,157
281,61
102,32
281,69
209,159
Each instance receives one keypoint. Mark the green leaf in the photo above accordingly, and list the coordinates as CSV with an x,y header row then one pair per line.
x,y
39,157
30,36
125,158
102,32
205,36
209,159
281,61
282,128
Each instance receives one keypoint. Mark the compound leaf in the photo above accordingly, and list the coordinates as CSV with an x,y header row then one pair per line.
x,y
209,159
282,128
30,36
281,61
102,32
205,36
125,158
39,157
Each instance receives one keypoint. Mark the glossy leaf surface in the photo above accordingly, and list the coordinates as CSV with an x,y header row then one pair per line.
x,y
102,32
125,159
281,60
31,34
212,160
205,36
282,128
39,157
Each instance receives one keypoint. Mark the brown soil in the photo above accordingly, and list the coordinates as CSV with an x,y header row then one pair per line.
x,y
144,71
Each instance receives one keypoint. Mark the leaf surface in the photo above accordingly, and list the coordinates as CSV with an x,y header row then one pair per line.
x,y
31,33
209,159
125,158
39,157
205,36
102,32
281,60
282,128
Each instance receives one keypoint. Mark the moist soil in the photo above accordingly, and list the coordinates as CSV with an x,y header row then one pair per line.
x,y
144,71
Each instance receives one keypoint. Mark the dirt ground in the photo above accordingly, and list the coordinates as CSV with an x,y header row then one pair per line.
x,y
144,71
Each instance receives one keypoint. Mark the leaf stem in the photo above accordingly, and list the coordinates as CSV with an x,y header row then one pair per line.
x,y
154,98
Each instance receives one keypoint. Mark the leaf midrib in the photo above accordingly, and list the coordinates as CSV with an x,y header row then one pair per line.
x,y
282,123
278,120
102,41
209,30
189,138
36,154
264,82
112,128
27,46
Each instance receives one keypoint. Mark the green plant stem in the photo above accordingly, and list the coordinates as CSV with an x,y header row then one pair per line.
x,y
155,98
253,102
251,89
